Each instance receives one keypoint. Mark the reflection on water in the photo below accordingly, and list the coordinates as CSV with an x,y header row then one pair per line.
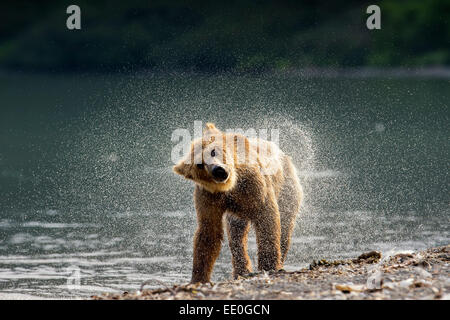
x,y
87,191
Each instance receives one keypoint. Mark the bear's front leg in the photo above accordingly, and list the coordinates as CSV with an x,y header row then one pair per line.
x,y
268,232
207,243
237,237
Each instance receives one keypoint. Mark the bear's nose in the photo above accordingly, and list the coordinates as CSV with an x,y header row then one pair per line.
x,y
219,173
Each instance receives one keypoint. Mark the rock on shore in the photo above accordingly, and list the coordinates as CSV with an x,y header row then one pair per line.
x,y
417,275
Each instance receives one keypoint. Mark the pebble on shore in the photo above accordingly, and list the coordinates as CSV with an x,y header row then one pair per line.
x,y
418,275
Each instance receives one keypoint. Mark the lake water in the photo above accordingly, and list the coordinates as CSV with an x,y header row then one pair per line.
x,y
89,203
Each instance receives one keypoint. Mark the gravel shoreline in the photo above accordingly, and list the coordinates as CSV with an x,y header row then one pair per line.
x,y
415,275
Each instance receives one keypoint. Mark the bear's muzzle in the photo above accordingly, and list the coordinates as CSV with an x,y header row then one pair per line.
x,y
219,174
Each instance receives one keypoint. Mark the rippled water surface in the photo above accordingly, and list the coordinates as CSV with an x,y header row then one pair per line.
x,y
89,203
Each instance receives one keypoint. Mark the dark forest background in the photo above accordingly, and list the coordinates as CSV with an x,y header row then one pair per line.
x,y
242,36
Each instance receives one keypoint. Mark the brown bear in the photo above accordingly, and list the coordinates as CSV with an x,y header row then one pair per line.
x,y
250,181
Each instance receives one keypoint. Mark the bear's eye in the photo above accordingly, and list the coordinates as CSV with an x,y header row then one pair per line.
x,y
213,153
200,166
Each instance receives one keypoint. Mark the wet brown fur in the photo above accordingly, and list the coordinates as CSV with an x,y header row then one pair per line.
x,y
269,202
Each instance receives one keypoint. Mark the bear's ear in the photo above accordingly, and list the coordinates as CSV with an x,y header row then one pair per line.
x,y
210,126
181,168
210,131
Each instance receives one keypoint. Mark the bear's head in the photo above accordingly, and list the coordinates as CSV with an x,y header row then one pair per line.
x,y
209,163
